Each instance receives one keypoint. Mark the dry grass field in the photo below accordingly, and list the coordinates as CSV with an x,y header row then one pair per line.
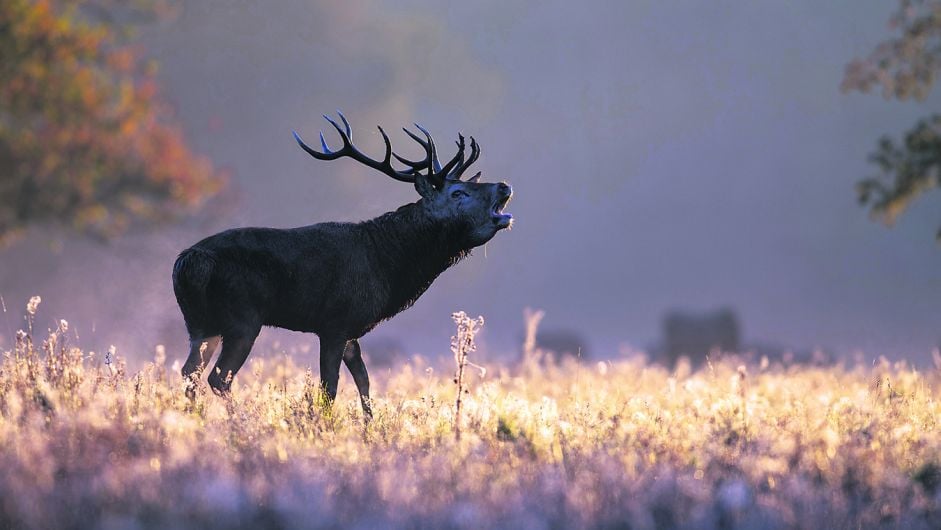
x,y
84,443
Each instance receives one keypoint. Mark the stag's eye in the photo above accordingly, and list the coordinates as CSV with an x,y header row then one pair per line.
x,y
457,194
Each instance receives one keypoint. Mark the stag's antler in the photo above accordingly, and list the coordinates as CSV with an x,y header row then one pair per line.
x,y
437,174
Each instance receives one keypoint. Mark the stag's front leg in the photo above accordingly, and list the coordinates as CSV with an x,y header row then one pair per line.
x,y
331,355
353,357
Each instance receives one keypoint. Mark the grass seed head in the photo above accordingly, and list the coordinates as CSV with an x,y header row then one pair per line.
x,y
33,305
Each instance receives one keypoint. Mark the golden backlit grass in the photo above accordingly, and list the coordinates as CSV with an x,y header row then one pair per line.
x,y
625,444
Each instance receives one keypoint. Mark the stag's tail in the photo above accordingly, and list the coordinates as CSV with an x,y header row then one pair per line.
x,y
191,274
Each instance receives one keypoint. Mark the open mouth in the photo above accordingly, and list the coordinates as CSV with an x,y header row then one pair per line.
x,y
499,218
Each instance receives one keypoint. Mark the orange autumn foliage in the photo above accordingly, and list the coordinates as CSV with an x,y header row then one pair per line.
x,y
86,140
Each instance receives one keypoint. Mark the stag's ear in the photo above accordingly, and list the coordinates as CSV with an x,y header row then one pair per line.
x,y
424,187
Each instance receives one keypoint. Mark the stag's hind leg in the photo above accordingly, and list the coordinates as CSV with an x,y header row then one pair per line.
x,y
201,350
331,355
353,357
235,349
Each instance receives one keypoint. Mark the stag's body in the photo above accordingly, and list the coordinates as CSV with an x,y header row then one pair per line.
x,y
304,279
338,280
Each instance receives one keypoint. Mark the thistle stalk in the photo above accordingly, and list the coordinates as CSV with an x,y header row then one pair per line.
x,y
461,344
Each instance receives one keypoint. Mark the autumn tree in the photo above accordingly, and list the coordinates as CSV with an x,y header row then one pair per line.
x,y
86,140
905,67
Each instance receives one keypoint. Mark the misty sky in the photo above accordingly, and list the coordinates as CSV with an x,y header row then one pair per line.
x,y
663,155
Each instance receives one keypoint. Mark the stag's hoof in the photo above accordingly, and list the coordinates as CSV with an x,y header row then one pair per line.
x,y
221,386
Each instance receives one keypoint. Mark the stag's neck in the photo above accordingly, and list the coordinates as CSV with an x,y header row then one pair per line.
x,y
411,249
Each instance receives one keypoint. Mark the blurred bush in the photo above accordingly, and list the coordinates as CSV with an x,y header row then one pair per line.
x,y
86,140
905,67
696,335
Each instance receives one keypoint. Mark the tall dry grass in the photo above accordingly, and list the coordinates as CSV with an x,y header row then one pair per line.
x,y
625,444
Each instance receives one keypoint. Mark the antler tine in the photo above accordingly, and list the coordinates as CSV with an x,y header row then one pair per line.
x,y
347,141
349,130
387,160
432,151
326,155
420,164
462,167
475,151
414,165
452,168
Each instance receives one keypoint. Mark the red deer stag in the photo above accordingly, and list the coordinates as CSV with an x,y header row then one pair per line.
x,y
338,280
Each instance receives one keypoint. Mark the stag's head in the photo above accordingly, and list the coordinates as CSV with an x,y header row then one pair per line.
x,y
473,206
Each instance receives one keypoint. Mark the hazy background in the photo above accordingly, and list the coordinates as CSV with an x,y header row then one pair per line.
x,y
663,155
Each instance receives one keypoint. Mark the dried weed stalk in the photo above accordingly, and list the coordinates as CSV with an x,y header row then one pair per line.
x,y
461,344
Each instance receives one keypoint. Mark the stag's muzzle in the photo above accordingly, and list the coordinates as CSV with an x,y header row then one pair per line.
x,y
503,195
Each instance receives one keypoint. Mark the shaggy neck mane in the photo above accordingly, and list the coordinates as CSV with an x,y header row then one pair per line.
x,y
411,249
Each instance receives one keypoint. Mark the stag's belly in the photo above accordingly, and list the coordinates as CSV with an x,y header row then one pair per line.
x,y
344,328
335,305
